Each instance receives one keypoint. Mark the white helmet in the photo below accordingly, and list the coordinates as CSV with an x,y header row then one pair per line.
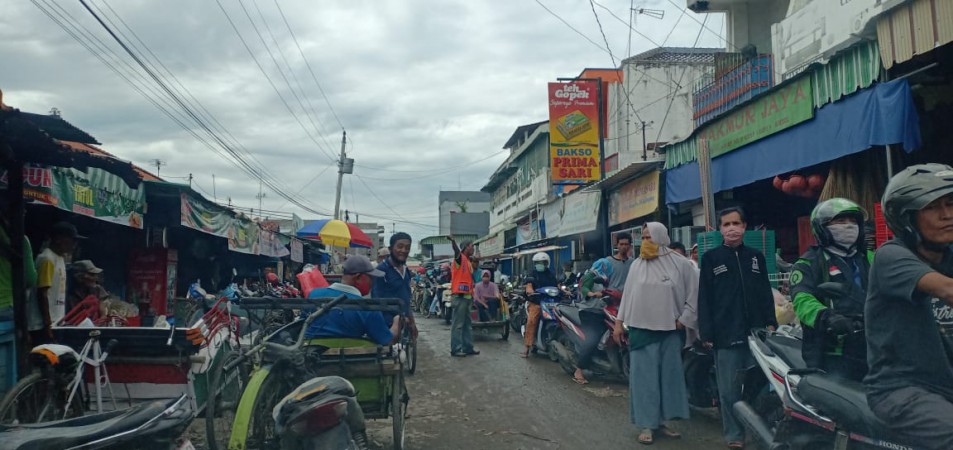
x,y
541,257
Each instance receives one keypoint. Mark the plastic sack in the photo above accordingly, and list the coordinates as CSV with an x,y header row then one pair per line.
x,y
783,309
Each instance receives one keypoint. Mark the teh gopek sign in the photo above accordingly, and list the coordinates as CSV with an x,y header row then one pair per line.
x,y
574,132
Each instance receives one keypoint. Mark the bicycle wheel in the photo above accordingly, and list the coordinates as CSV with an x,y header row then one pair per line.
x,y
36,399
398,410
258,433
225,390
411,349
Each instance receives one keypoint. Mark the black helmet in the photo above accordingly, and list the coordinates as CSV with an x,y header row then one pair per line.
x,y
910,191
827,211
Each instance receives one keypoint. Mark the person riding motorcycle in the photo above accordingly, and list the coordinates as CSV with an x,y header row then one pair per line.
x,y
908,312
541,276
840,256
595,279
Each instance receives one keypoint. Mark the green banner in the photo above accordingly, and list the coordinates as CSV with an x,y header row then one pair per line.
x,y
782,108
94,193
242,234
204,217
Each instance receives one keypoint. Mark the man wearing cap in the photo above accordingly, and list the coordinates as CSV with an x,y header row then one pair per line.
x,y
355,283
86,282
396,280
49,303
382,254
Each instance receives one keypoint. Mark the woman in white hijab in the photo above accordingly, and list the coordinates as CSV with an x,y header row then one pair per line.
x,y
658,307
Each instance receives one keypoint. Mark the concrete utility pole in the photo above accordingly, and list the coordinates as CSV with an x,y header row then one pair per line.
x,y
345,165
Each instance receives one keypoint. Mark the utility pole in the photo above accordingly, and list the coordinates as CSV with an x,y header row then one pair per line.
x,y
645,146
214,194
261,195
190,180
345,165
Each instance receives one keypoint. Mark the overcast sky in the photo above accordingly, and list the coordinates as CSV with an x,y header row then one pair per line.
x,y
428,91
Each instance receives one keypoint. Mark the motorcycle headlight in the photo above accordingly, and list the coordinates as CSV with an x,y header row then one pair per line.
x,y
551,291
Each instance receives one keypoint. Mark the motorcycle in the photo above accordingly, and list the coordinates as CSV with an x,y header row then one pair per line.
x,y
789,406
321,413
588,329
156,425
446,297
548,330
517,304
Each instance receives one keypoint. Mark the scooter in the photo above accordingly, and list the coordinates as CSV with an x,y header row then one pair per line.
x,y
791,407
321,413
586,332
157,425
548,298
446,297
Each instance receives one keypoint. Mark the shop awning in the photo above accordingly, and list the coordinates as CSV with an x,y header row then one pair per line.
x,y
882,115
914,28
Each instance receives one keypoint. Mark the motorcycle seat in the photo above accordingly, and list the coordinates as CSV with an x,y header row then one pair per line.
x,y
788,348
81,430
571,312
319,387
842,400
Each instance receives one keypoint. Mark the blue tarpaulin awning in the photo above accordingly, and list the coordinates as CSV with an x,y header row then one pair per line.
x,y
882,115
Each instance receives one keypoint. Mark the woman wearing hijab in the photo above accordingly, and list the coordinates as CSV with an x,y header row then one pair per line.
x,y
658,306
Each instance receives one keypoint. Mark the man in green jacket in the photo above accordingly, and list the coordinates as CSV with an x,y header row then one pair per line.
x,y
830,322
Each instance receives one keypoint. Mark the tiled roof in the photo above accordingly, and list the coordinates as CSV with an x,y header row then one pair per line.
x,y
678,55
86,148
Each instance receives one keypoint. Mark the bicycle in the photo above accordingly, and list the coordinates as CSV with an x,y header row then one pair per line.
x,y
408,345
56,390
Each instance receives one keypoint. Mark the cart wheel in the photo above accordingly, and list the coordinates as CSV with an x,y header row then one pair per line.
x,y
398,410
225,391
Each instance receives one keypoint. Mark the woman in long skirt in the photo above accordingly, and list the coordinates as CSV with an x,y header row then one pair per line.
x,y
658,307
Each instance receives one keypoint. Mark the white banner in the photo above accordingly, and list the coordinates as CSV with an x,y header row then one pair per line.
x,y
270,245
580,213
297,251
492,246
552,217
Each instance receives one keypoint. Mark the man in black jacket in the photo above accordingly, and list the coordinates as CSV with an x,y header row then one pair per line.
x,y
734,296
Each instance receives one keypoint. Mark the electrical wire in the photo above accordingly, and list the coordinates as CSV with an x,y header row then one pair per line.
x,y
442,169
601,31
675,94
570,26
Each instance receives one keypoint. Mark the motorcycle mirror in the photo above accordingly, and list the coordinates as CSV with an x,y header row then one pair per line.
x,y
834,290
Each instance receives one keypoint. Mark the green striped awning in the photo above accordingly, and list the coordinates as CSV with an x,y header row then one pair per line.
x,y
850,71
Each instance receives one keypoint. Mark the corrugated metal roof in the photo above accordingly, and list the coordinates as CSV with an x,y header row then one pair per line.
x,y
914,28
520,132
676,55
86,148
60,129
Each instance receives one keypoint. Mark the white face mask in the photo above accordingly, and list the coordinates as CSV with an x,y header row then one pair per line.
x,y
844,234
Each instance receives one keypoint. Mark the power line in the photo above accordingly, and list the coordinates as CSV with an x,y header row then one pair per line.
x,y
722,38
604,38
313,76
443,169
675,94
570,26
175,98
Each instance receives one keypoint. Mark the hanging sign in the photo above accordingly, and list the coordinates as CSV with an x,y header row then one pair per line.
x,y
635,199
580,213
270,245
779,110
574,132
200,216
243,237
94,193
297,251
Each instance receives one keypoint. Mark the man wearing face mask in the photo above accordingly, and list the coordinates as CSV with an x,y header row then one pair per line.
x,y
839,257
355,283
734,296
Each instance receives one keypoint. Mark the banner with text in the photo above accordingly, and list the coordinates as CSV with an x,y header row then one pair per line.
x,y
637,198
580,213
782,108
94,193
574,132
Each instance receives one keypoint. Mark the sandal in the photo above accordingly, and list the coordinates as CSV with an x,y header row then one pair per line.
x,y
580,380
669,433
645,437
736,445
524,354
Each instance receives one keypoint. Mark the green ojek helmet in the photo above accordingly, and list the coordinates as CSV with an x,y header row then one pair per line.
x,y
827,211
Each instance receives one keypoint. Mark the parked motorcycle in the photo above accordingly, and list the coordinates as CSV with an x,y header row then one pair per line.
x,y
157,425
791,407
517,304
321,413
586,332
548,298
446,311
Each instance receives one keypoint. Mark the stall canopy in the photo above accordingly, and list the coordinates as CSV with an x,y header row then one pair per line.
x,y
882,115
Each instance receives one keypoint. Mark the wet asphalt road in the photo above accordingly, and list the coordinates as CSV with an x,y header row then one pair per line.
x,y
498,400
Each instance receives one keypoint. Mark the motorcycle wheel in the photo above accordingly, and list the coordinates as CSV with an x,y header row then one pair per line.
x,y
398,411
624,354
447,315
699,376
554,336
225,391
568,365
506,333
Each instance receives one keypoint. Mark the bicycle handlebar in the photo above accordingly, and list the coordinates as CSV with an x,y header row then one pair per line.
x,y
265,342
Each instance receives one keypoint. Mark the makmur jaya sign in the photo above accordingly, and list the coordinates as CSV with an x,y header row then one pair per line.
x,y
574,132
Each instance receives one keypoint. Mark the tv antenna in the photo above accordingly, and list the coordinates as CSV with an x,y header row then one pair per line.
x,y
653,13
158,163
